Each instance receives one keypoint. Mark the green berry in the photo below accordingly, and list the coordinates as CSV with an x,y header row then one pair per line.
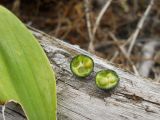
x,y
82,65
107,79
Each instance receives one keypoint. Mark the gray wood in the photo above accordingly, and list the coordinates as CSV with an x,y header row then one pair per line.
x,y
79,99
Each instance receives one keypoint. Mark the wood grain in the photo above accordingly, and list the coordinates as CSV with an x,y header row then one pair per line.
x,y
135,98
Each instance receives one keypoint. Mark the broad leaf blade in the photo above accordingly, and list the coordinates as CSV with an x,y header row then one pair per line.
x,y
25,73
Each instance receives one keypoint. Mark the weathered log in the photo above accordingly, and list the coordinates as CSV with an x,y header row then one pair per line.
x,y
79,99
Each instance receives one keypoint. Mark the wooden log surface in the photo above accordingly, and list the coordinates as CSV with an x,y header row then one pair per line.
x,y
135,98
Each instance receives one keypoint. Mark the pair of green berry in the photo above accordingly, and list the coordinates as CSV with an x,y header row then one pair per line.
x,y
82,66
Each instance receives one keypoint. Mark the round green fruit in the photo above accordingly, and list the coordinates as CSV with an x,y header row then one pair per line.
x,y
107,79
82,65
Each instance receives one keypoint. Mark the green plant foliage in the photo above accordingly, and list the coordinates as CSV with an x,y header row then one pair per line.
x,y
26,76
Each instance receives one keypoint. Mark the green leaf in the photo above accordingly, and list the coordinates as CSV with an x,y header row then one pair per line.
x,y
26,76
